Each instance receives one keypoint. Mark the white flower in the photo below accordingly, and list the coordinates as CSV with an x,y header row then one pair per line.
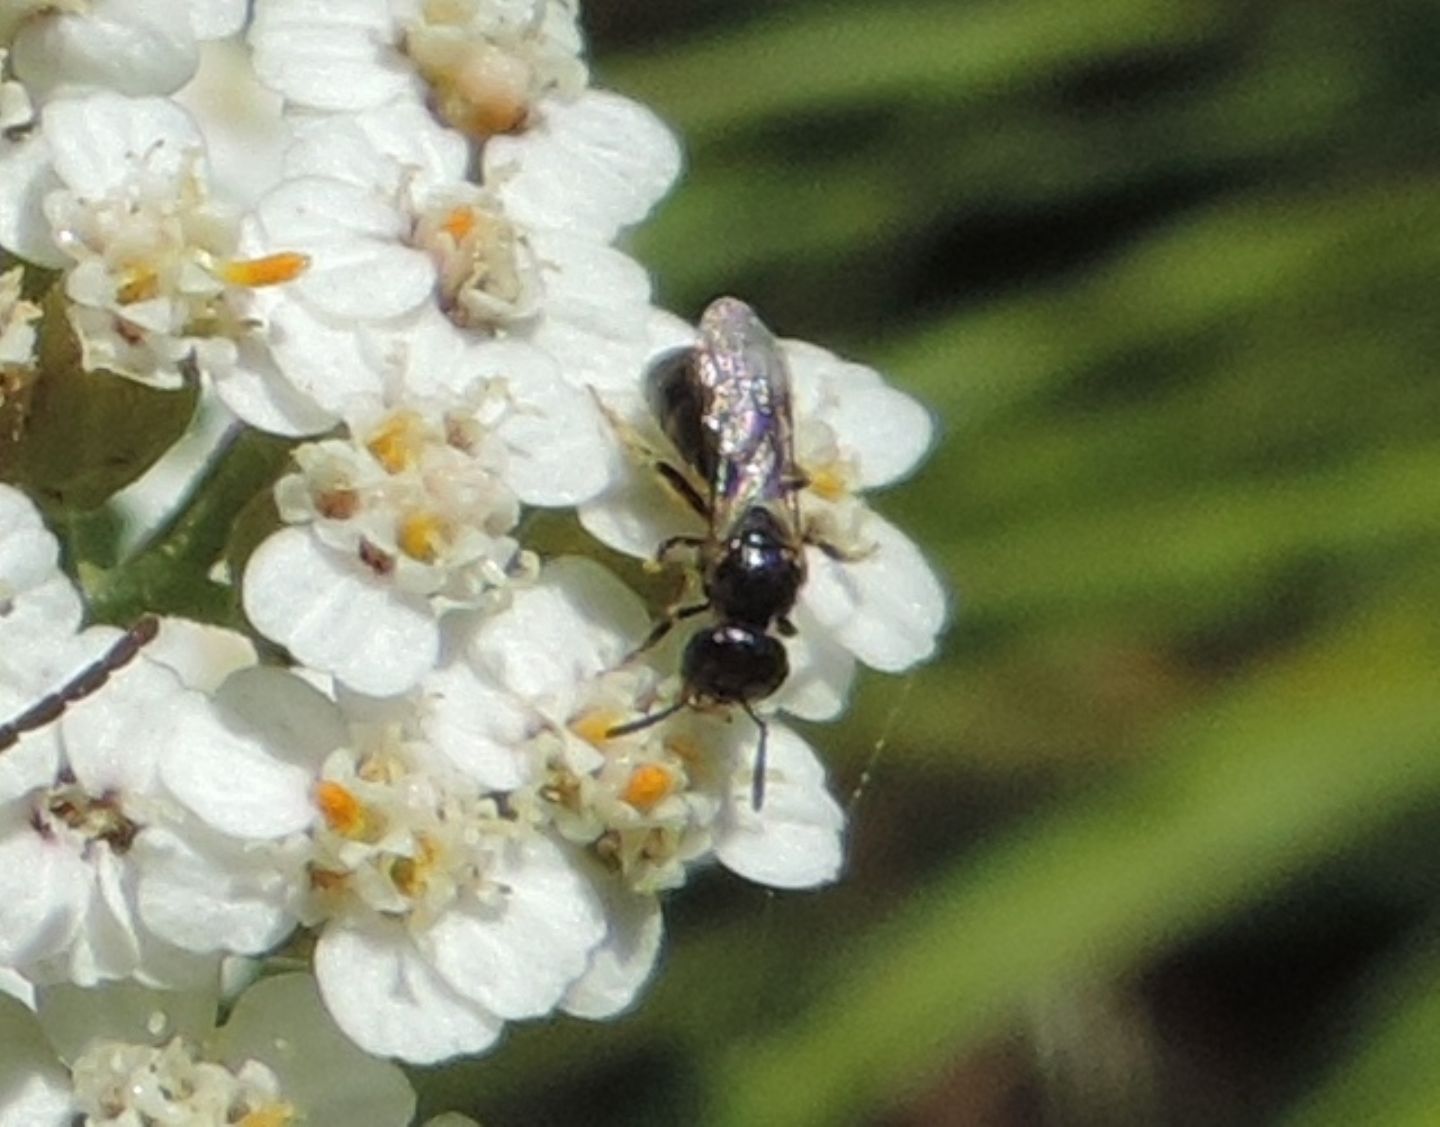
x,y
380,205
151,279
16,109
440,915
125,1055
484,64
414,514
871,596
92,800
529,704
126,46
17,334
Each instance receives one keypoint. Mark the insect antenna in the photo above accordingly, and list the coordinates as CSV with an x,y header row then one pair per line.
x,y
87,681
649,720
757,780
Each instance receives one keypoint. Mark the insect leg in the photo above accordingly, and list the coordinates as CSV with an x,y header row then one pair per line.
x,y
87,681
757,780
664,626
642,452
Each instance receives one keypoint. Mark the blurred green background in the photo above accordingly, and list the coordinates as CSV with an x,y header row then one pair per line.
x,y
1155,840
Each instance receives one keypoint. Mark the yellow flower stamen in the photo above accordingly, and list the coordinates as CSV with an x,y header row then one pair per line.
x,y
342,811
272,270
422,537
649,783
593,727
396,443
272,1115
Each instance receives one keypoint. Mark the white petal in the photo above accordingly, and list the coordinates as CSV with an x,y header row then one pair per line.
x,y
391,1003
883,429
597,310
114,739
37,591
330,361
334,616
590,166
201,655
887,608
517,961
282,1023
215,19
394,145
230,779
280,710
26,178
624,962
477,726
794,840
576,622
208,894
360,266
44,888
329,54
821,672
34,1087
561,452
99,141
129,46
637,513
257,391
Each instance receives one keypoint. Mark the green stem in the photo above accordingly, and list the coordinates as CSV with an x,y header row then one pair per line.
x,y
170,575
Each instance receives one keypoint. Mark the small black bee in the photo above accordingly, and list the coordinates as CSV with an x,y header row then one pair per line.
x,y
725,405
87,681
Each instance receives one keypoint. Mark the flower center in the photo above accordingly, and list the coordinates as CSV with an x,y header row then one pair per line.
x,y
488,63
68,810
417,495
152,268
488,275
120,1083
400,835
640,801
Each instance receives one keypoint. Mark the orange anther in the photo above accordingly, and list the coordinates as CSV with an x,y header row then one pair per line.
x,y
459,223
342,811
648,784
271,270
593,727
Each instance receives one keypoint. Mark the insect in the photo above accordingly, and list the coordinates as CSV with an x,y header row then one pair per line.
x,y
87,681
725,405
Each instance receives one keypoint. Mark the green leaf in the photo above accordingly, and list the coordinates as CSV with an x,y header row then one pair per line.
x,y
1242,796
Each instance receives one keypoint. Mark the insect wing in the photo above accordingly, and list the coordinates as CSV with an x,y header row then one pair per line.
x,y
745,413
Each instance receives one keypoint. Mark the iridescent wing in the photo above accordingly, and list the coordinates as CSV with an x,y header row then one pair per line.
x,y
745,416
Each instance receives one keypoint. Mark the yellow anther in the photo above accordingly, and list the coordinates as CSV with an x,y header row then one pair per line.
x,y
271,1115
271,270
396,442
649,783
593,727
422,537
459,223
409,873
342,811
141,283
830,482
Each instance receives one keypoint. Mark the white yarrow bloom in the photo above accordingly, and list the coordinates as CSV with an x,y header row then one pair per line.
x,y
528,704
413,514
96,801
131,47
440,915
485,65
872,597
17,331
380,205
153,285
124,1055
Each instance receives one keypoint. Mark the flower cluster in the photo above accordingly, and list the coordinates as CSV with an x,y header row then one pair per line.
x,y
387,232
